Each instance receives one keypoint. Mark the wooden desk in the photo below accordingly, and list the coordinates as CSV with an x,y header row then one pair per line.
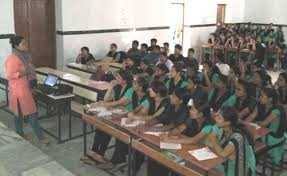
x,y
60,104
193,165
85,88
86,71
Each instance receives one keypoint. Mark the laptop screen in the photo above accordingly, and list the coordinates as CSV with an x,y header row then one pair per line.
x,y
51,80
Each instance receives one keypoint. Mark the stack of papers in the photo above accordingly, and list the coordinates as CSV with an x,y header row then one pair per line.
x,y
203,154
134,123
170,146
104,114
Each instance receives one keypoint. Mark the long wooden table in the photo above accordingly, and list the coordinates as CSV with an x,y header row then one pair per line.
x,y
19,157
86,71
85,88
149,145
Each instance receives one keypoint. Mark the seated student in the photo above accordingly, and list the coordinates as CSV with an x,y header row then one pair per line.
x,y
241,99
177,56
134,52
281,88
153,55
144,49
166,47
178,116
140,106
163,59
235,144
190,61
145,69
119,95
271,115
129,65
194,87
153,43
176,79
161,73
85,57
113,51
219,92
193,127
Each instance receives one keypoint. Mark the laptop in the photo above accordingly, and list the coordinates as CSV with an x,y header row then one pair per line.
x,y
49,84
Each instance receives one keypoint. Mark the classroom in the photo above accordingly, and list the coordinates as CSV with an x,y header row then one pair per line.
x,y
143,88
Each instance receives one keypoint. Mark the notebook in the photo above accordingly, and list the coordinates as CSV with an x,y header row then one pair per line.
x,y
170,146
203,154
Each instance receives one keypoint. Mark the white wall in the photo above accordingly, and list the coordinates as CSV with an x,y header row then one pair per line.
x,y
205,12
6,27
74,15
266,11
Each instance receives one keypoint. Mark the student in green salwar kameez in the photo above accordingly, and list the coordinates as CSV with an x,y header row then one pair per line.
x,y
269,114
234,144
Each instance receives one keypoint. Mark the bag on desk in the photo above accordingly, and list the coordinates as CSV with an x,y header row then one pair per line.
x,y
63,89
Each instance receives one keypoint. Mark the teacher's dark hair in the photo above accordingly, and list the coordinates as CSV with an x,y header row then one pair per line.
x,y
15,40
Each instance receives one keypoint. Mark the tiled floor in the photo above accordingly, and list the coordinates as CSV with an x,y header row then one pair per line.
x,y
69,153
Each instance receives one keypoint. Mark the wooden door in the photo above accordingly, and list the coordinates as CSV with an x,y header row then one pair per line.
x,y
35,20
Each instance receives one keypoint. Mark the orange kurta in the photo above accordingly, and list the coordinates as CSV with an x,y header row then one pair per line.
x,y
19,89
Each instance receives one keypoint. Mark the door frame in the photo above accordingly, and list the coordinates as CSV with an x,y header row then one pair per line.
x,y
183,17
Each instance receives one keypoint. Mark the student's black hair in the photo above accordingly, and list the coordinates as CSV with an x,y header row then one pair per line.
x,y
191,50
220,56
125,75
271,93
163,53
157,47
247,87
181,94
85,48
208,62
178,67
144,45
143,83
114,45
135,42
263,76
230,114
178,46
166,44
15,40
153,40
159,88
163,67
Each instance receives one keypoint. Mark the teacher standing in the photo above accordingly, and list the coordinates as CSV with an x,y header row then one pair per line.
x,y
18,72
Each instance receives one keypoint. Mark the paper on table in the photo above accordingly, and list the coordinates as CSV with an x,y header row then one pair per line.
x,y
255,125
132,124
203,154
170,146
97,109
155,133
118,111
104,114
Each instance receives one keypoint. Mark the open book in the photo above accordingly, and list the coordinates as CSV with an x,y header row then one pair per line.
x,y
203,154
